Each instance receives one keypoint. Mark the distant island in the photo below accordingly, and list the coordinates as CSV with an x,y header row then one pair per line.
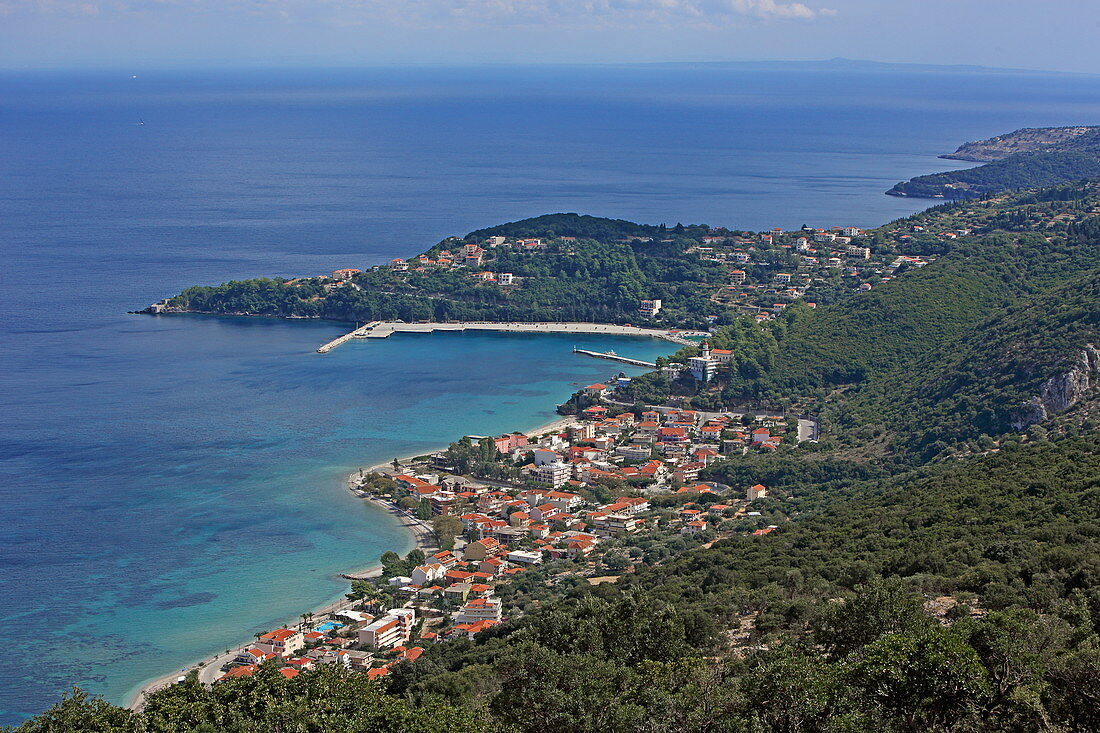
x,y
1027,158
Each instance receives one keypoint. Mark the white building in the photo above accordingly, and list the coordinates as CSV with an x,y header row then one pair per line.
x,y
650,308
704,366
424,575
555,474
543,456
522,557
505,278
480,609
393,629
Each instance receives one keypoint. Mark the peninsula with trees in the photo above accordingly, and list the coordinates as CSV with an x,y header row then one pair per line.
x,y
1026,158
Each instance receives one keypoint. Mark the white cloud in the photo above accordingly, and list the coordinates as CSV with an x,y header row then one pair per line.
x,y
463,12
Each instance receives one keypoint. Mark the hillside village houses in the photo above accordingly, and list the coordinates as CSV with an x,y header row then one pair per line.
x,y
573,499
548,519
766,271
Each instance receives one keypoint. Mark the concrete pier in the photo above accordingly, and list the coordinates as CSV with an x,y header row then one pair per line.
x,y
615,357
384,329
357,333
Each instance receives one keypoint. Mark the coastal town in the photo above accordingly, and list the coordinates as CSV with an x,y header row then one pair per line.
x,y
502,522
764,272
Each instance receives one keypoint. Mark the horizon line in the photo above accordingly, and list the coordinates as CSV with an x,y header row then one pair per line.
x,y
834,62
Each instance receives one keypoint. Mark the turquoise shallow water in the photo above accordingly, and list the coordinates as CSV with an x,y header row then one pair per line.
x,y
192,491
167,485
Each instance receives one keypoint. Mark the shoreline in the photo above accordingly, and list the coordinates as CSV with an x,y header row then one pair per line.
x,y
558,424
209,668
419,533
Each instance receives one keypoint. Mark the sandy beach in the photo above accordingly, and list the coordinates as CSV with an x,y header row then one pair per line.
x,y
421,533
210,668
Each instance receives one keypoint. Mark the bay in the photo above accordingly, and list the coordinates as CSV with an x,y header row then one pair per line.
x,y
168,485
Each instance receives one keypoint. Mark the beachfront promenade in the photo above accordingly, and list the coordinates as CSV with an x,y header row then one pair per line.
x,y
384,329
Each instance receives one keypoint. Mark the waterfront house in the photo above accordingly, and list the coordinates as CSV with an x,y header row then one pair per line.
x,y
509,443
246,670
282,641
595,390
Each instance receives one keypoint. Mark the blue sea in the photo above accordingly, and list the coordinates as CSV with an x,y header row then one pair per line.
x,y
169,485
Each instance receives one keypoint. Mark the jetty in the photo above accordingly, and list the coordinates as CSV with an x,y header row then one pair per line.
x,y
357,333
385,329
615,357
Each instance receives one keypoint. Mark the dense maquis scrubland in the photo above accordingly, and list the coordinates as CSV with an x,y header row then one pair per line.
x,y
937,567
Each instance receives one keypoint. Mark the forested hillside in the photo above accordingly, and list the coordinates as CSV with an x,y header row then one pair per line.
x,y
600,280
957,351
1022,170
1019,366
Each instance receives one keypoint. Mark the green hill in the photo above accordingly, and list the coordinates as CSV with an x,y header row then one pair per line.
x,y
1026,158
596,277
1024,364
551,226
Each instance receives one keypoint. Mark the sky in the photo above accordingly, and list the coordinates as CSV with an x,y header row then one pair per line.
x,y
1056,35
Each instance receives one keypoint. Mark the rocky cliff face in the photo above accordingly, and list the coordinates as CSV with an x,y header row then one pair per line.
x,y
1062,391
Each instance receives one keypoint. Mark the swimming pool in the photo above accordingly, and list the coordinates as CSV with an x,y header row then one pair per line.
x,y
327,626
